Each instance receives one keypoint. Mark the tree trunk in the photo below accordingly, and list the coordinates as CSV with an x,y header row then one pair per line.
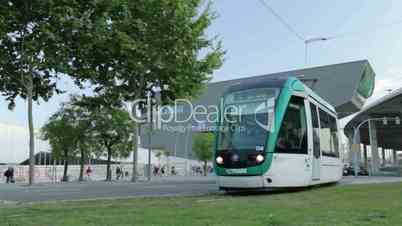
x,y
31,131
205,168
109,160
82,162
135,152
65,176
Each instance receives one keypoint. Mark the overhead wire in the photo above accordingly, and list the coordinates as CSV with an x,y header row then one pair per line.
x,y
306,41
336,36
282,20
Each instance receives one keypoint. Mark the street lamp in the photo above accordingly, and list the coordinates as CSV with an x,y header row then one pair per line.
x,y
307,42
157,97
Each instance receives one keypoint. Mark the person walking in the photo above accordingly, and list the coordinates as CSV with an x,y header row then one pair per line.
x,y
156,171
88,172
118,173
12,175
173,171
9,174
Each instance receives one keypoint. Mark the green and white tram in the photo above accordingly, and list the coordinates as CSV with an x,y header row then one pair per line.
x,y
276,133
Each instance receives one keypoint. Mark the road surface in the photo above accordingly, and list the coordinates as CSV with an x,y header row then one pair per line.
x,y
103,190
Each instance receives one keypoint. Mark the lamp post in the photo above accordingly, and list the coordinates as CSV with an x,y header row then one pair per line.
x,y
138,116
307,42
356,132
157,97
150,122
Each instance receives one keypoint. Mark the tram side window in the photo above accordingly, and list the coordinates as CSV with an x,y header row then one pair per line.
x,y
293,132
316,131
334,136
328,135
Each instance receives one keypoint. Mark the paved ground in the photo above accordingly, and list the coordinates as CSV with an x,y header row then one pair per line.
x,y
369,180
159,187
100,190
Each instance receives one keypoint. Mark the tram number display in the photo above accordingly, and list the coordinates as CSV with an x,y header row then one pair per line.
x,y
236,171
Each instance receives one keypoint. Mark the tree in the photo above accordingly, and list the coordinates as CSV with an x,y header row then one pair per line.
x,y
151,44
203,148
29,55
62,137
81,121
111,129
68,132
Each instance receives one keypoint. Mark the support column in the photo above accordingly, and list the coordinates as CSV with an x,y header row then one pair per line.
x,y
395,157
374,146
350,152
383,159
356,153
365,156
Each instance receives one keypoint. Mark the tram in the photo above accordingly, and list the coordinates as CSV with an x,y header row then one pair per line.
x,y
276,133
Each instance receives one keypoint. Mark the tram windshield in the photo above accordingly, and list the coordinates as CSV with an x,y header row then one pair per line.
x,y
247,119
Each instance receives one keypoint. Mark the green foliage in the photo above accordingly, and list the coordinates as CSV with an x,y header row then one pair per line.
x,y
132,46
61,135
162,152
68,134
111,129
84,31
68,128
82,126
30,56
28,52
203,146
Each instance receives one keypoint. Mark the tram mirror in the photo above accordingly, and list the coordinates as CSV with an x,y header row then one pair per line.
x,y
271,114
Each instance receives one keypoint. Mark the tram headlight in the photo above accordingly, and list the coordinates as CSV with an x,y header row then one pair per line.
x,y
219,160
260,158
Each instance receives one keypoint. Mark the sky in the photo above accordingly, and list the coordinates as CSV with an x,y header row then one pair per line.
x,y
257,43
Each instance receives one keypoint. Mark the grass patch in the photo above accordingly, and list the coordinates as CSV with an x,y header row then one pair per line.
x,y
362,205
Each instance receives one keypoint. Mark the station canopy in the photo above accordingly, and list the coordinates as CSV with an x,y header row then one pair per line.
x,y
389,132
346,85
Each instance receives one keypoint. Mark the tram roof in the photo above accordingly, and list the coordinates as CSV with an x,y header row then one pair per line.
x,y
265,82
346,86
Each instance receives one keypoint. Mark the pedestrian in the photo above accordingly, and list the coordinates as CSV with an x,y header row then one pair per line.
x,y
163,171
122,172
173,171
157,171
9,174
88,172
118,173
12,175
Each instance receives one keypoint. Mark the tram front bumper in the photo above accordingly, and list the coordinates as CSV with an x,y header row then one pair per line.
x,y
240,182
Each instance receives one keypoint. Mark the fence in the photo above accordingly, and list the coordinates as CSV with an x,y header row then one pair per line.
x,y
54,174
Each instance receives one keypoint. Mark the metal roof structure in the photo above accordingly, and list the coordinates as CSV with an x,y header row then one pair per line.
x,y
346,85
388,136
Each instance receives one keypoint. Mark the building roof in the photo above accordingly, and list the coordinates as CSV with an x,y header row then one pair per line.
x,y
346,85
389,135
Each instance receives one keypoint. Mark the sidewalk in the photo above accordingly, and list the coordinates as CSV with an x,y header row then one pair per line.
x,y
211,179
369,180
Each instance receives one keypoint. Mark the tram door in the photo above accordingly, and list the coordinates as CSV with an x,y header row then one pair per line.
x,y
315,144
